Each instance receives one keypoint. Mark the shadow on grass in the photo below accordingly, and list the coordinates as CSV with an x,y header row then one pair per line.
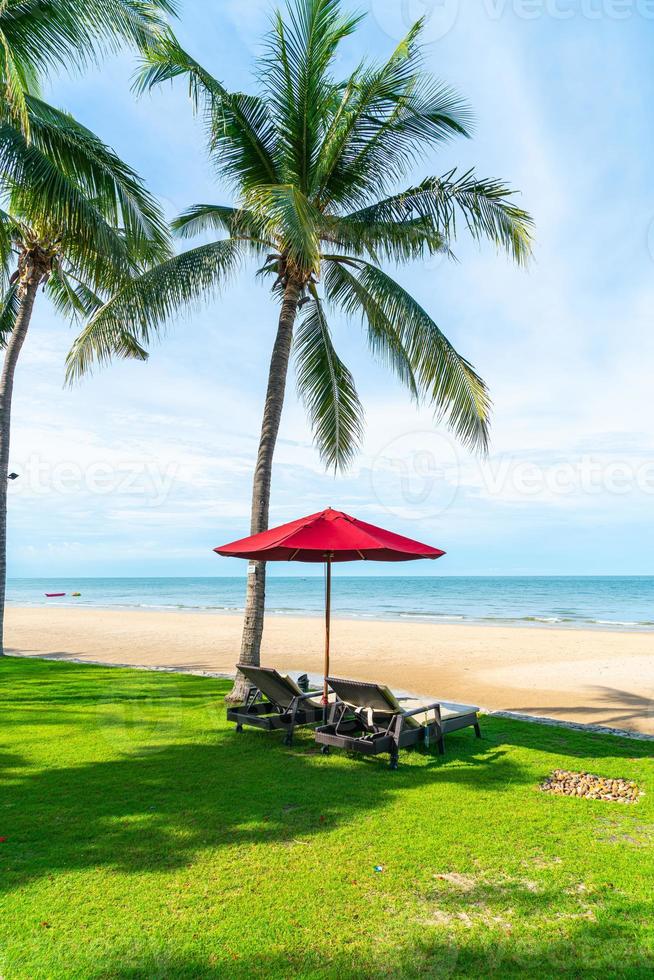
x,y
563,741
161,778
583,949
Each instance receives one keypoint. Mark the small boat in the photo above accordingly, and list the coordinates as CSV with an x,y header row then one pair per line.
x,y
54,595
76,594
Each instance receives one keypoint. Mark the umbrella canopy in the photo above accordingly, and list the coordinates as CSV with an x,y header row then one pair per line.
x,y
328,537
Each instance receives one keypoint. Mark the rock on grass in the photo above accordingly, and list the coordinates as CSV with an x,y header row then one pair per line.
x,y
583,784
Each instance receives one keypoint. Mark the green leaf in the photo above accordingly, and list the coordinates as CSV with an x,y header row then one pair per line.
x,y
444,378
147,303
327,389
45,35
9,306
485,207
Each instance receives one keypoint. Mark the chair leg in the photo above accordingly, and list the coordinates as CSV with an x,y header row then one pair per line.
x,y
441,745
325,750
395,757
288,738
239,727
477,730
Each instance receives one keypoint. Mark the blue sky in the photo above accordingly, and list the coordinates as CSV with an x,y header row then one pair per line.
x,y
142,469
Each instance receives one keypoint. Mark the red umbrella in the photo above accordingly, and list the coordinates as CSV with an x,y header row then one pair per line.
x,y
328,537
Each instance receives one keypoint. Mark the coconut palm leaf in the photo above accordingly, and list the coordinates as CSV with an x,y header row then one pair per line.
x,y
296,75
148,302
240,133
388,116
447,380
9,305
327,390
237,222
71,297
394,241
64,33
101,175
346,293
484,206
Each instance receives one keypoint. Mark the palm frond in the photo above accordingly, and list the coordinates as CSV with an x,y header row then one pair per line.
x,y
241,134
296,80
9,306
7,233
103,177
394,241
71,297
389,115
327,389
13,84
289,219
44,36
52,202
484,206
444,378
147,303
346,292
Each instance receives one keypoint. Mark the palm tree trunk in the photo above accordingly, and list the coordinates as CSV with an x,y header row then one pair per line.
x,y
31,275
272,413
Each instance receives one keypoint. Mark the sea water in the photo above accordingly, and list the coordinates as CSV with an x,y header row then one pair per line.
x,y
600,602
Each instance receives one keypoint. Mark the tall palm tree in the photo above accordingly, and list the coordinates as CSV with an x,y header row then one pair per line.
x,y
81,230
315,163
72,215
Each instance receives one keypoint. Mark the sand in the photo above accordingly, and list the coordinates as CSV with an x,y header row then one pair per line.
x,y
593,677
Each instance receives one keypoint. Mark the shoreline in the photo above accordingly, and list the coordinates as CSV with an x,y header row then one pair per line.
x,y
526,623
603,678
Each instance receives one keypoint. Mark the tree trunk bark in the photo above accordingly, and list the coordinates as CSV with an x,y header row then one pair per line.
x,y
256,584
31,276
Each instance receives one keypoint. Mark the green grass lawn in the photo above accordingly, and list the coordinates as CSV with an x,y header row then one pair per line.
x,y
145,838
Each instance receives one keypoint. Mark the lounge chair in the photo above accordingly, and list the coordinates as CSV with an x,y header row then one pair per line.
x,y
286,705
369,718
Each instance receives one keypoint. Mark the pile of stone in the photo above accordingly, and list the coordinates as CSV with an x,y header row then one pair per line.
x,y
589,787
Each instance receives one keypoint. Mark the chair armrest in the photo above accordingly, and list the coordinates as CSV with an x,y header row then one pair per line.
x,y
419,710
309,694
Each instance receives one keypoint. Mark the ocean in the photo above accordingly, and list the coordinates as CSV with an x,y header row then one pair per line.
x,y
625,603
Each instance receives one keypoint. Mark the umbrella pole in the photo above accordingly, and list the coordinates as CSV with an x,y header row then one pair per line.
x,y
328,613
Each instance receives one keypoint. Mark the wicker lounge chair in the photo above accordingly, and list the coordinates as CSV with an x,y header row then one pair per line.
x,y
285,706
370,719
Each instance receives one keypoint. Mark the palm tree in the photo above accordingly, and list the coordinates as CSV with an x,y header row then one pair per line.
x,y
81,229
315,163
76,217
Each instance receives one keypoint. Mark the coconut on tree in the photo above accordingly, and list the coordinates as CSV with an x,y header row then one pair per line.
x,y
317,164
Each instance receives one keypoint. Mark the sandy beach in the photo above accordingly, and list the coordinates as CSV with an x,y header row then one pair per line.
x,y
593,677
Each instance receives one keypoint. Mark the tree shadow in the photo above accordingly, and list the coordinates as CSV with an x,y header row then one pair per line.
x,y
625,707
158,801
578,943
561,741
